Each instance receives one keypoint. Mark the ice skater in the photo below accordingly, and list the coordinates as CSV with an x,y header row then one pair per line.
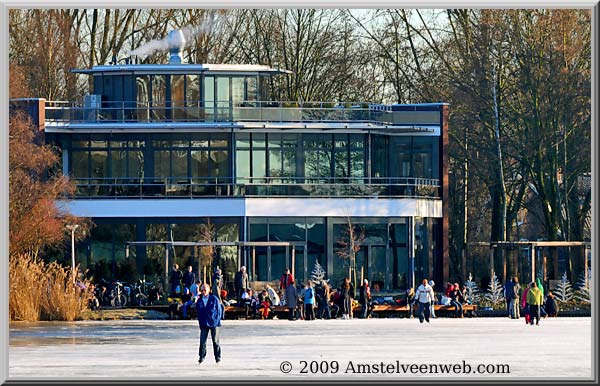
x,y
210,312
424,296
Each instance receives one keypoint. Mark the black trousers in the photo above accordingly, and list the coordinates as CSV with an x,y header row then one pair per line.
x,y
534,312
310,312
214,335
424,309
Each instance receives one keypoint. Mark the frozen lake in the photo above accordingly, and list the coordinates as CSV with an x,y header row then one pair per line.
x,y
253,350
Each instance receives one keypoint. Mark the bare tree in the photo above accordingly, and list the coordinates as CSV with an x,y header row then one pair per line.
x,y
349,244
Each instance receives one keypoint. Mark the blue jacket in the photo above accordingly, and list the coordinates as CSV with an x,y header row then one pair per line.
x,y
211,314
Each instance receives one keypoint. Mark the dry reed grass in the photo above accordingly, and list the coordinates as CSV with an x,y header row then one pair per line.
x,y
40,291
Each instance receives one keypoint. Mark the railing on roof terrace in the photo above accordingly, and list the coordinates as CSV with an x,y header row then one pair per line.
x,y
256,187
246,111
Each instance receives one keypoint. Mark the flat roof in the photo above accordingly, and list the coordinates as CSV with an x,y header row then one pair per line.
x,y
183,68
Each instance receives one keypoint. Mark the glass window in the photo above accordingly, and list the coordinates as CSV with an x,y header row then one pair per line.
x,y
180,163
118,163
265,88
258,140
178,97
219,163
341,163
159,97
259,164
199,165
142,83
223,89
242,140
219,140
98,144
400,157
378,266
162,164
278,262
289,140
289,163
274,140
192,97
79,164
101,249
180,142
317,163
200,140
357,164
209,98
357,141
237,90
192,90
99,163
118,144
275,163
80,144
242,165
161,143
252,88
286,232
136,163
425,157
223,97
379,156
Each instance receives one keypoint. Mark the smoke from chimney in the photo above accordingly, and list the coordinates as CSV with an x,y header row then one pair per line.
x,y
175,42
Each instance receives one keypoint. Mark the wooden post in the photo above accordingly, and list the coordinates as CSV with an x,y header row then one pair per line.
x,y
491,263
362,276
504,279
167,269
293,260
532,262
253,262
544,269
204,276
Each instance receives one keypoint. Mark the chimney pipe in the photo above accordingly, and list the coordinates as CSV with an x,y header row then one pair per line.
x,y
176,42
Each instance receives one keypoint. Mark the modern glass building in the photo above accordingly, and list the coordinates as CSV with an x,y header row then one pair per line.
x,y
167,158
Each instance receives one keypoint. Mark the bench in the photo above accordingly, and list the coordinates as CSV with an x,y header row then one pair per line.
x,y
383,309
380,310
239,312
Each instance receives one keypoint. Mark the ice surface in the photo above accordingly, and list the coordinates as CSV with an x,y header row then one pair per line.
x,y
254,350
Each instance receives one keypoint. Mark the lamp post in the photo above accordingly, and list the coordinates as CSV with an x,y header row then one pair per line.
x,y
72,228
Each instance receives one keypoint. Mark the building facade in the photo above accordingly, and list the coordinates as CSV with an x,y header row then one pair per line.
x,y
168,159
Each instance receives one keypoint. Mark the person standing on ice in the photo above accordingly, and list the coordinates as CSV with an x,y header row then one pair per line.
x,y
535,299
210,312
424,296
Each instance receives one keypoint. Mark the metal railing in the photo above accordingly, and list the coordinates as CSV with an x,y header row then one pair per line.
x,y
227,111
256,187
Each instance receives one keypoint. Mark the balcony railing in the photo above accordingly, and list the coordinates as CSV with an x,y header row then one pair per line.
x,y
226,111
255,187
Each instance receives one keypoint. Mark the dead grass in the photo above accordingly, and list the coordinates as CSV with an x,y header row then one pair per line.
x,y
40,291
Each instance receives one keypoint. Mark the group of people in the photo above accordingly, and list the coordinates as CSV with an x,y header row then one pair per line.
x,y
425,298
307,302
530,301
301,302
